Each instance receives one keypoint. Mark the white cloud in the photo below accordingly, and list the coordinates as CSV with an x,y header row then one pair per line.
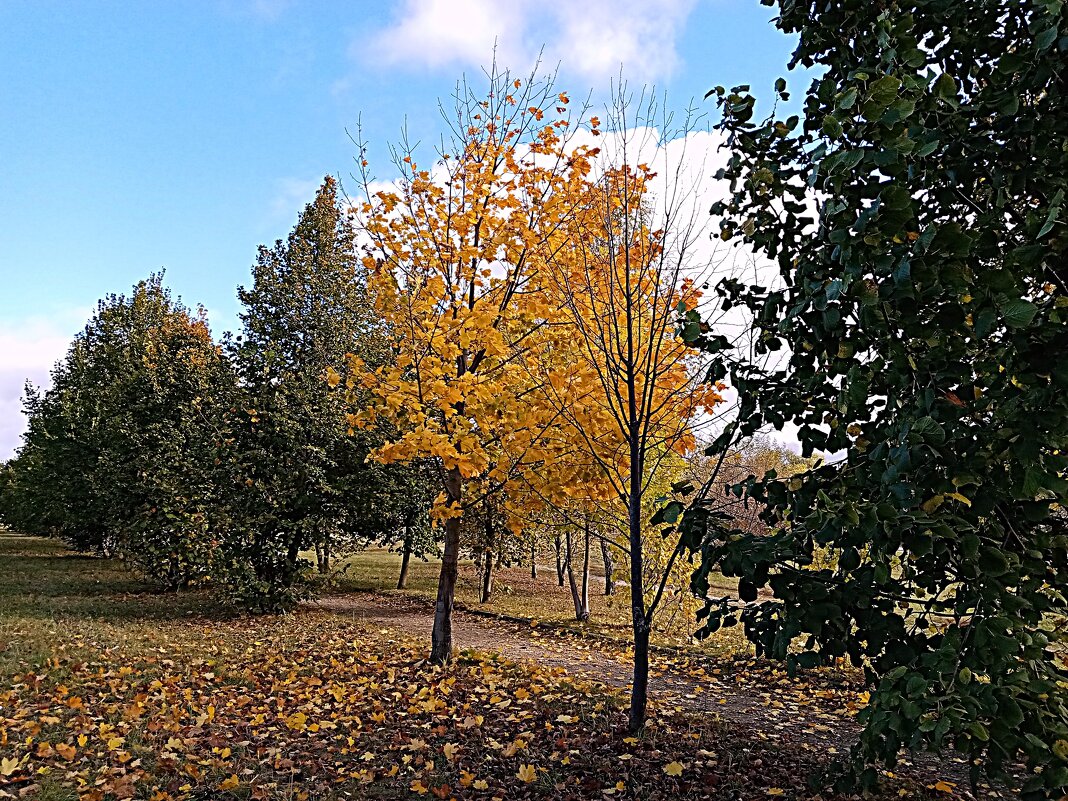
x,y
593,39
290,197
28,349
436,33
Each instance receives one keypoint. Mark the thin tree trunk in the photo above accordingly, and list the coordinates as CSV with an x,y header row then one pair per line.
x,y
559,561
609,567
533,561
586,574
487,579
406,558
441,637
487,575
324,564
639,692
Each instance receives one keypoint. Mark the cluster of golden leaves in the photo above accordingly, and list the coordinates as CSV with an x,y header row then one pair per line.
x,y
472,266
450,267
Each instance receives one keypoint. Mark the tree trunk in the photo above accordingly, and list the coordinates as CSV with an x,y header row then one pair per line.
x,y
406,558
322,556
609,567
639,692
559,561
487,579
533,562
487,575
586,573
441,637
581,612
296,545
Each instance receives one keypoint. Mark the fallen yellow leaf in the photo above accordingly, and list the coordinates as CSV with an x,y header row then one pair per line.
x,y
230,783
942,787
296,721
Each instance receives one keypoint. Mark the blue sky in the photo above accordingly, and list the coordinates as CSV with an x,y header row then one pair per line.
x,y
180,135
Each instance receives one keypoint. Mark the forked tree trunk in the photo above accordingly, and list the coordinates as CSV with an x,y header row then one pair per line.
x,y
406,558
578,597
559,561
441,637
609,567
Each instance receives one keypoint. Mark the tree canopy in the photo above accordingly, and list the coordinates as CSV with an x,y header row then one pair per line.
x,y
915,214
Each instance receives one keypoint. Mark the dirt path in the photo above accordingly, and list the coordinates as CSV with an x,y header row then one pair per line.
x,y
814,714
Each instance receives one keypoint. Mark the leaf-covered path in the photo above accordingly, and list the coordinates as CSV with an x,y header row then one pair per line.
x,y
820,716
812,713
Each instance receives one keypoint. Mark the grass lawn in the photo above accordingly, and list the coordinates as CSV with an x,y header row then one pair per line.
x,y
109,690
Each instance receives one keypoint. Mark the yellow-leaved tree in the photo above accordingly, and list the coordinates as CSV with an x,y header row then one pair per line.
x,y
619,375
454,254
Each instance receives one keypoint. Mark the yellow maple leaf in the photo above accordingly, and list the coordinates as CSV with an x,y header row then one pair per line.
x,y
481,784
450,750
673,768
418,787
526,773
8,766
115,743
297,721
66,751
82,740
230,783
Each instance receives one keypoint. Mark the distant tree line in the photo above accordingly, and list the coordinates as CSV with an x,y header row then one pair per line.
x,y
195,460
